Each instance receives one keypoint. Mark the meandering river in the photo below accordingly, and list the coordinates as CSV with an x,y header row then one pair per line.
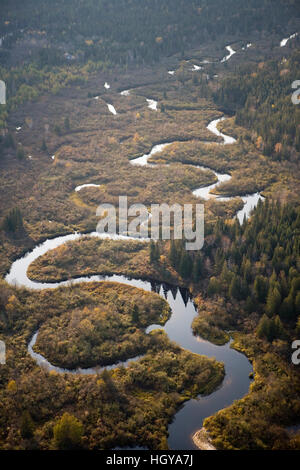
x,y
250,200
178,328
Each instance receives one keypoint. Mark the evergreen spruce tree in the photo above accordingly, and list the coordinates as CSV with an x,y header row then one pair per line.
x,y
273,301
13,221
185,266
27,425
152,252
263,328
135,314
260,288
173,254
235,288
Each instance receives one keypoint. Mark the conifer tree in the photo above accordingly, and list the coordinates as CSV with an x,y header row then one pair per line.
x,y
27,425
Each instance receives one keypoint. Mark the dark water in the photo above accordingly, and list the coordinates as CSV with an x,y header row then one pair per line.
x,y
178,328
236,382
235,385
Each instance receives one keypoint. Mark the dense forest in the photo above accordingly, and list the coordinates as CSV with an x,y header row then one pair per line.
x,y
261,100
39,54
121,31
255,264
62,153
253,289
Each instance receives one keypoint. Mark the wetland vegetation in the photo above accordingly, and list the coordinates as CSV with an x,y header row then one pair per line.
x,y
57,133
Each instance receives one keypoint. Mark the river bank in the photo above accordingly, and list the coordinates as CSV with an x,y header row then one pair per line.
x,y
178,327
202,440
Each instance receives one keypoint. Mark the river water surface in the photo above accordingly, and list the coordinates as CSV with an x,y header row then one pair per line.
x,y
178,328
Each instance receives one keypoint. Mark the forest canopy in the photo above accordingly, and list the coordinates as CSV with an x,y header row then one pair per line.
x,y
122,30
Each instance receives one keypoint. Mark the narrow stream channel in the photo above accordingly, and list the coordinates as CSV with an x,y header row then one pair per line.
x,y
178,328
250,200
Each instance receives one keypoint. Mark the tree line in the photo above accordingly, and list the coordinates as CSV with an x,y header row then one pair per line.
x,y
261,100
122,32
255,264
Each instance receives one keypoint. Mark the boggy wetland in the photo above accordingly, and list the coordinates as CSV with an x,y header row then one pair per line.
x,y
135,343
